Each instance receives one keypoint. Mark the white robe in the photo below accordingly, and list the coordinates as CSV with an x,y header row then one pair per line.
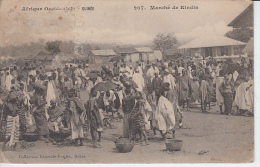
x,y
50,93
235,75
164,115
240,98
139,80
250,96
8,82
219,97
171,80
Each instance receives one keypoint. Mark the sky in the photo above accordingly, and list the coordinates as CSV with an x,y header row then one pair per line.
x,y
114,21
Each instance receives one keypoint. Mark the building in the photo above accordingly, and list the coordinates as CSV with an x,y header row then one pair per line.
x,y
171,54
244,19
128,54
100,56
144,53
211,46
157,54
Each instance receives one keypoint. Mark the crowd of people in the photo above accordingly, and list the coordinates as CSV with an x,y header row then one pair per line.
x,y
150,95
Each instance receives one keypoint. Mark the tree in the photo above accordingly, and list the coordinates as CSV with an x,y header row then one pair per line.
x,y
67,47
97,48
53,47
164,42
240,34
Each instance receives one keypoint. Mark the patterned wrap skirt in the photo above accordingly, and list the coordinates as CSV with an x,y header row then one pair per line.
x,y
136,124
12,129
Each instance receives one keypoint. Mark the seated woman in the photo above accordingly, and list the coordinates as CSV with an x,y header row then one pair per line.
x,y
55,117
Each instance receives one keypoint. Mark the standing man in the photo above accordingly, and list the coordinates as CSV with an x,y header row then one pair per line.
x,y
226,91
184,88
116,70
169,78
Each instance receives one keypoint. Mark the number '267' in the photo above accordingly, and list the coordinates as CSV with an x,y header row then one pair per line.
x,y
139,8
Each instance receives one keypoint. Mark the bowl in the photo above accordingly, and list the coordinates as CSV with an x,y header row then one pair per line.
x,y
124,145
173,145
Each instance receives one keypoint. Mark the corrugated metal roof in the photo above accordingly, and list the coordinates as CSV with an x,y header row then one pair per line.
x,y
108,52
244,19
249,46
211,41
144,50
125,50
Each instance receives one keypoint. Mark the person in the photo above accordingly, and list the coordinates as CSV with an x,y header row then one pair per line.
x,y
139,68
131,71
156,82
170,79
242,98
151,99
180,69
55,117
38,102
2,79
128,103
23,105
184,89
136,119
82,77
51,90
219,97
8,80
164,114
204,93
67,71
12,118
87,69
218,69
116,70
250,93
78,75
171,95
75,118
152,70
226,91
139,80
150,73
108,100
94,118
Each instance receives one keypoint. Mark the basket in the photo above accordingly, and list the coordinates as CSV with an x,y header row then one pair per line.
x,y
173,145
61,135
124,145
30,136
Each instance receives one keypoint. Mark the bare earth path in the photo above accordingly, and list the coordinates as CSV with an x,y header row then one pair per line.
x,y
222,138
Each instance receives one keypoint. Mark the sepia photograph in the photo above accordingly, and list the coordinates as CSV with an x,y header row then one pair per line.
x,y
126,82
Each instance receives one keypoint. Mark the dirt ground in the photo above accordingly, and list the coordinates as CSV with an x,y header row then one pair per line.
x,y
207,138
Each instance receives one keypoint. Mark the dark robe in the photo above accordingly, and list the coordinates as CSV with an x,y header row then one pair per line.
x,y
157,83
39,115
184,87
93,114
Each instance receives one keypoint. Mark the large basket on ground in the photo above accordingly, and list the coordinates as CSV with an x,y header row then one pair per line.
x,y
30,136
173,145
61,135
124,145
